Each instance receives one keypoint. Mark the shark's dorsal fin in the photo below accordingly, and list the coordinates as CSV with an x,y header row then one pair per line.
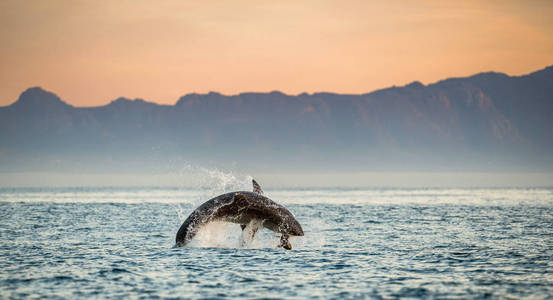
x,y
256,187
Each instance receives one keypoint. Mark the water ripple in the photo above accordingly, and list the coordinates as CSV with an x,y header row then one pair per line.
x,y
365,247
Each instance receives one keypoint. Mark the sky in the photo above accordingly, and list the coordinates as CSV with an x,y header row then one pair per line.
x,y
91,52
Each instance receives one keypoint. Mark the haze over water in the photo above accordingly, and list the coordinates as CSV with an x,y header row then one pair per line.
x,y
369,242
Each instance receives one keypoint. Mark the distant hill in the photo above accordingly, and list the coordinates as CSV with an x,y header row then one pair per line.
x,y
489,121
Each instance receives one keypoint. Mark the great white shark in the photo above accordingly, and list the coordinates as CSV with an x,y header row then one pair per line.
x,y
252,210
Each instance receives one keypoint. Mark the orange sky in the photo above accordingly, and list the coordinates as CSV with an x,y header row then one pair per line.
x,y
91,52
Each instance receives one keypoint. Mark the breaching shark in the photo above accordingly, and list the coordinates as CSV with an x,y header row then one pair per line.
x,y
252,210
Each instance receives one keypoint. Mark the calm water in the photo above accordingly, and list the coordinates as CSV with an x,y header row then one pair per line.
x,y
422,243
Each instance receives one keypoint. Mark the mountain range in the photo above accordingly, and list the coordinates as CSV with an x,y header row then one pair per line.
x,y
489,121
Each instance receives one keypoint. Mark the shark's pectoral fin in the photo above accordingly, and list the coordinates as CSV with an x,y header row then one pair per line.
x,y
249,231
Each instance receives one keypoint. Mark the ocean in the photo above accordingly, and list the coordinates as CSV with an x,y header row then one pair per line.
x,y
118,242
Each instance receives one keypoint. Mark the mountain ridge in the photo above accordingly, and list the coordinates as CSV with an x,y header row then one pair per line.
x,y
548,70
487,121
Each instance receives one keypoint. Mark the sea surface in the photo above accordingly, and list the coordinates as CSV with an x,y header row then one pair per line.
x,y
118,242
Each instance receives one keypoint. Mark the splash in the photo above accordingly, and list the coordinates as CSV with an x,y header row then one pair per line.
x,y
206,184
181,213
213,181
229,235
